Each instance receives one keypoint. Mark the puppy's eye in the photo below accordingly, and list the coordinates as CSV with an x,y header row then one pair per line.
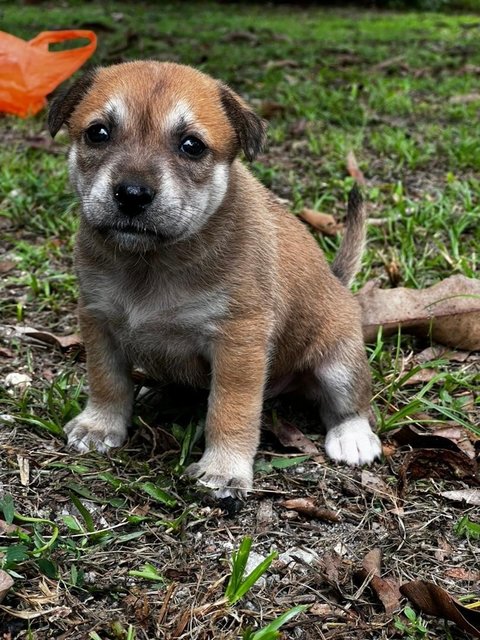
x,y
192,147
97,133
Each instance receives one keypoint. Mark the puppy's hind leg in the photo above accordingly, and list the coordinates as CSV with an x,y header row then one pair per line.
x,y
341,387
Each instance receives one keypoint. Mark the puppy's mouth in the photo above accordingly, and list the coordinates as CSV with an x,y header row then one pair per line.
x,y
132,229
128,227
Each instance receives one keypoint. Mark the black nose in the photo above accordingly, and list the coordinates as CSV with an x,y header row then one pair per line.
x,y
133,198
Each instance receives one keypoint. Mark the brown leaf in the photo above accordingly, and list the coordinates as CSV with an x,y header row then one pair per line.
x,y
386,589
374,484
459,573
448,312
420,377
453,438
6,529
372,562
393,272
64,342
334,569
434,352
282,64
435,601
241,36
465,98
6,583
264,516
439,463
354,170
390,63
7,265
323,222
307,507
269,109
444,550
289,436
469,496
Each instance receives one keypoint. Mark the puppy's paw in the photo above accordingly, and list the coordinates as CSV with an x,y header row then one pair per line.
x,y
226,474
353,442
95,430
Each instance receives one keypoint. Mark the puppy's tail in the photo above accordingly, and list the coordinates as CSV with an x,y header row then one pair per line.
x,y
347,261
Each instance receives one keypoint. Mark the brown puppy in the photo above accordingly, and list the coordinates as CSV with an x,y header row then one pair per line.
x,y
189,268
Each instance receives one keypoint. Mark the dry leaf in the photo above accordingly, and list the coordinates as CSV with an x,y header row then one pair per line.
x,y
7,265
323,222
282,64
6,583
469,496
386,589
449,437
393,272
459,573
6,529
354,170
374,484
420,377
264,516
289,436
465,98
444,550
241,36
64,342
434,352
435,601
390,63
439,463
269,109
307,507
334,569
25,614
448,312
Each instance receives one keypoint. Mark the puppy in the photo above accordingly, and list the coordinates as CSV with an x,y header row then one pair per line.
x,y
189,268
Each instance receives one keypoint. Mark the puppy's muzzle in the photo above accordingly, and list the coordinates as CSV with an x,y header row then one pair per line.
x,y
132,199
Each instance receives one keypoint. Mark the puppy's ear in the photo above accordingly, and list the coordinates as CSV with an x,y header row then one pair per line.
x,y
250,128
62,106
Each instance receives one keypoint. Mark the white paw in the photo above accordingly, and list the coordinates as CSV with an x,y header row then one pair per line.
x,y
227,474
353,442
96,430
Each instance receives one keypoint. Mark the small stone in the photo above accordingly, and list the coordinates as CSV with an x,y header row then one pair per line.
x,y
298,556
254,559
17,382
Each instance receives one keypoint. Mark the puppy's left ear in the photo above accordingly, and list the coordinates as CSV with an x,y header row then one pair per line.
x,y
63,105
250,128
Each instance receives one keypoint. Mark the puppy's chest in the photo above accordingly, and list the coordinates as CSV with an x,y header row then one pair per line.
x,y
161,321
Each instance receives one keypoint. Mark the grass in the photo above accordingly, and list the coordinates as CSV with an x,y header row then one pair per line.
x,y
401,91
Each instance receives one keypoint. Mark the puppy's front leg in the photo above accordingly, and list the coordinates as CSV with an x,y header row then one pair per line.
x,y
103,423
234,410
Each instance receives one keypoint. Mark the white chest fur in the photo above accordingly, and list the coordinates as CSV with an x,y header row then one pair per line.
x,y
158,321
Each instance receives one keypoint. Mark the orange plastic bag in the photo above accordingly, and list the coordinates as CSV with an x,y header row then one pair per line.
x,y
29,71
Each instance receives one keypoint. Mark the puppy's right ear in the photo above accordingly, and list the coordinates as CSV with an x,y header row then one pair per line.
x,y
63,105
250,128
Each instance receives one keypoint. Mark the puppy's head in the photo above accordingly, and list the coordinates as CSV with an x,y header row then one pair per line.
x,y
152,146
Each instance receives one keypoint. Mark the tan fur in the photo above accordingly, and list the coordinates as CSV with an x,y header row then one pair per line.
x,y
245,302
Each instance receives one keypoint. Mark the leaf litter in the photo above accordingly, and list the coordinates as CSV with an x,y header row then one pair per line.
x,y
431,599
448,312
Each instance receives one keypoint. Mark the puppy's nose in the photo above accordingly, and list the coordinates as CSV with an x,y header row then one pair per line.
x,y
133,198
